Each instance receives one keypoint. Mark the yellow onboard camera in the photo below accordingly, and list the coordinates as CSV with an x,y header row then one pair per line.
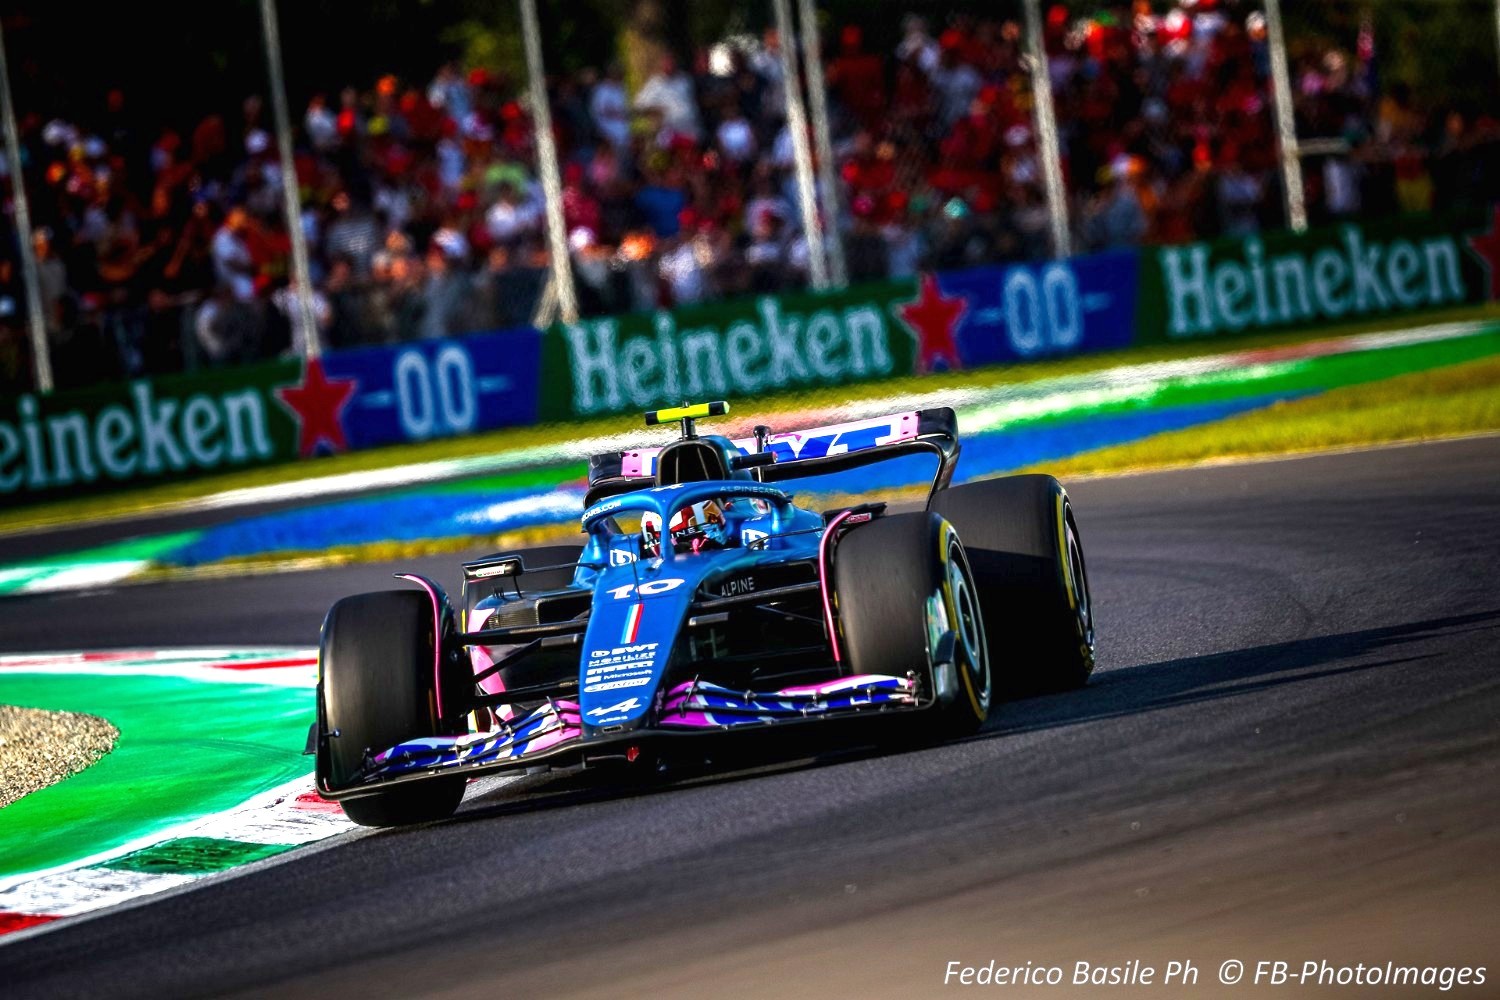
x,y
687,413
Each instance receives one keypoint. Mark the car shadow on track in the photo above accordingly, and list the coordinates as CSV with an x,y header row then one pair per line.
x,y
1129,690
565,788
1111,694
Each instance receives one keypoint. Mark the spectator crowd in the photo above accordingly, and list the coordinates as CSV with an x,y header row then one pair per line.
x,y
162,248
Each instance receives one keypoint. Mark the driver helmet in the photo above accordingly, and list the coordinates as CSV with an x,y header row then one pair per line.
x,y
697,525
650,535
692,527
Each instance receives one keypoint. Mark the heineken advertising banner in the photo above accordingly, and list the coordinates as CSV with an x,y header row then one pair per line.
x,y
145,431
172,427
178,426
1044,309
784,343
439,388
1332,275
774,343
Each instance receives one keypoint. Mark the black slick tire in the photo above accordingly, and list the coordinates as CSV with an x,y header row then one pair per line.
x,y
1027,558
376,689
900,582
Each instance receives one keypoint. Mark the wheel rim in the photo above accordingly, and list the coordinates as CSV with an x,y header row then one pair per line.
x,y
1080,583
969,624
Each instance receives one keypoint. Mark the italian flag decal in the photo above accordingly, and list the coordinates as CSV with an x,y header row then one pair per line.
x,y
632,624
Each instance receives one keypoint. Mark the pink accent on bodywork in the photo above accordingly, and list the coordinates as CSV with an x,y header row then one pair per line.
x,y
570,727
833,633
642,462
551,739
638,463
821,687
907,426
696,720
835,686
481,660
437,637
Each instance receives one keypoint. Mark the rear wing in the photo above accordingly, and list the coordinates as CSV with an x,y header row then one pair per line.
x,y
815,451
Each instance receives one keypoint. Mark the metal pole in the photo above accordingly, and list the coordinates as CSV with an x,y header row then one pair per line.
x,y
796,122
1497,26
291,197
1286,121
41,355
546,305
546,150
1046,127
817,93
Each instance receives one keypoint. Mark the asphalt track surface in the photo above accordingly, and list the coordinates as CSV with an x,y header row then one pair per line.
x,y
1291,751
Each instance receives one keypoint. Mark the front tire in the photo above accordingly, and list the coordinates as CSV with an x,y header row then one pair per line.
x,y
901,582
1024,546
375,690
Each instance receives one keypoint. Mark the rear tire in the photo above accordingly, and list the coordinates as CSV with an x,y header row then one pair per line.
x,y
1023,545
900,582
376,689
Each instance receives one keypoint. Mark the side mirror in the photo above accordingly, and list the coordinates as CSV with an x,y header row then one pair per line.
x,y
739,462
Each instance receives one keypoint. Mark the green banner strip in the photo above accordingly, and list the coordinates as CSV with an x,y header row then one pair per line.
x,y
146,431
1325,276
541,479
737,348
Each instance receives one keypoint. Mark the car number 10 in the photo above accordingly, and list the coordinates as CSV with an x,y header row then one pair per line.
x,y
647,589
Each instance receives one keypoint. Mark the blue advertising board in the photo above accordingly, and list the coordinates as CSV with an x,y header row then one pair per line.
x,y
439,388
1041,309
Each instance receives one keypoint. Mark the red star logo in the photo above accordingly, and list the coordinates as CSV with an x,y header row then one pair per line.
x,y
932,320
318,403
1486,247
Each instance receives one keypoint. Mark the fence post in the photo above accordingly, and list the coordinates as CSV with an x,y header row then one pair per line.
x,y
291,196
1286,121
546,156
1497,28
817,80
796,123
41,351
1046,127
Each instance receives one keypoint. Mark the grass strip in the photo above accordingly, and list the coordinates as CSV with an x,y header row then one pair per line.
x,y
1451,401
1294,376
186,749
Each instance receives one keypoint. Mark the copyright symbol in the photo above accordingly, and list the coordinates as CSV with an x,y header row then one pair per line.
x,y
1231,972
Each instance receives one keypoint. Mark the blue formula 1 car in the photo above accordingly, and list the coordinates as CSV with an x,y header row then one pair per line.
x,y
706,603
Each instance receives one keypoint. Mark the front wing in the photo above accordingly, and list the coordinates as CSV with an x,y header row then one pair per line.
x,y
693,706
